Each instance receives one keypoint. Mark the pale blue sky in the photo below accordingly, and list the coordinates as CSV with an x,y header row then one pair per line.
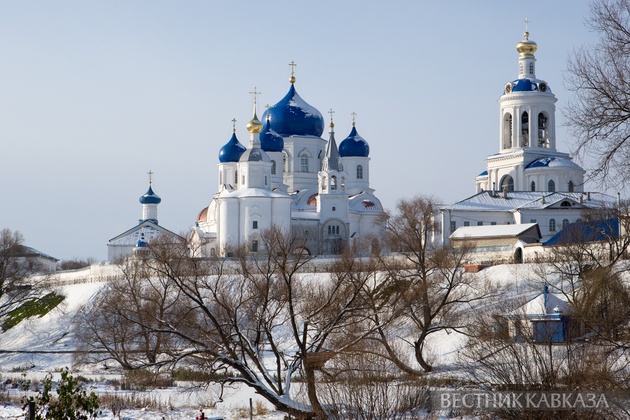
x,y
94,94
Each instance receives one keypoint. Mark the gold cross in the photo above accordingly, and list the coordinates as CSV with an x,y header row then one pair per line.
x,y
354,116
255,93
150,173
526,21
292,64
331,112
234,125
267,108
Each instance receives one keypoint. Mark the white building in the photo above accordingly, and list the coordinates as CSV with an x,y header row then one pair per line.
x,y
528,180
145,231
290,177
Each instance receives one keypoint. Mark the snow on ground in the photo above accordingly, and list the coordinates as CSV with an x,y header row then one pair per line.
x,y
54,332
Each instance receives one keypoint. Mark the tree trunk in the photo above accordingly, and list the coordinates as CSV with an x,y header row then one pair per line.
x,y
418,350
312,390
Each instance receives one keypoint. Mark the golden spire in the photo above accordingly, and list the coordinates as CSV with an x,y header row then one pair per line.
x,y
526,48
254,126
331,112
354,116
292,78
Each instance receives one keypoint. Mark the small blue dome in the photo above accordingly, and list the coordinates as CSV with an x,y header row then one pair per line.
x,y
484,173
292,116
354,145
270,141
150,197
530,85
141,243
232,151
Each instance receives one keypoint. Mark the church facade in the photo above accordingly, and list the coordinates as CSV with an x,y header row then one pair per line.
x,y
528,180
291,178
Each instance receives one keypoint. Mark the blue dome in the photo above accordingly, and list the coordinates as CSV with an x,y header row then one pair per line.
x,y
553,162
484,173
354,145
232,151
270,141
530,85
150,197
292,116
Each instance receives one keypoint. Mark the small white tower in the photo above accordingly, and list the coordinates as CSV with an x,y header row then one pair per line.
x,y
150,201
332,202
354,152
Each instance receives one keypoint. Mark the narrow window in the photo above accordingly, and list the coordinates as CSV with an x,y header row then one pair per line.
x,y
273,167
284,163
329,228
359,172
531,68
570,186
542,130
221,178
551,186
337,230
254,246
533,186
334,208
507,131
213,252
525,129
565,223
304,164
243,179
552,224
265,179
255,224
453,226
333,182
236,176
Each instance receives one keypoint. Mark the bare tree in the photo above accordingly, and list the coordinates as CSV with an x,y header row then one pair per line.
x,y
599,75
426,288
256,321
15,268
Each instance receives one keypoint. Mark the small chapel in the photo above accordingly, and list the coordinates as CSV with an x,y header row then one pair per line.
x,y
290,177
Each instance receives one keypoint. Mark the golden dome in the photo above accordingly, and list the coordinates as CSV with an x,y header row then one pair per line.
x,y
527,48
254,126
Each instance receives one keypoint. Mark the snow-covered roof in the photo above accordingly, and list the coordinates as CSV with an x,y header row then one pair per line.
x,y
252,192
132,236
545,304
518,200
493,231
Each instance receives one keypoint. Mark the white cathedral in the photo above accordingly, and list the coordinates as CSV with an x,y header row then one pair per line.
x,y
528,181
290,177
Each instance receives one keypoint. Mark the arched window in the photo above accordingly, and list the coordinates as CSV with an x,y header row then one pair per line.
x,y
333,182
329,229
552,224
304,164
324,183
533,186
236,176
542,130
343,183
525,128
337,230
551,186
565,223
571,187
254,246
273,167
359,172
213,252
507,131
507,183
284,163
